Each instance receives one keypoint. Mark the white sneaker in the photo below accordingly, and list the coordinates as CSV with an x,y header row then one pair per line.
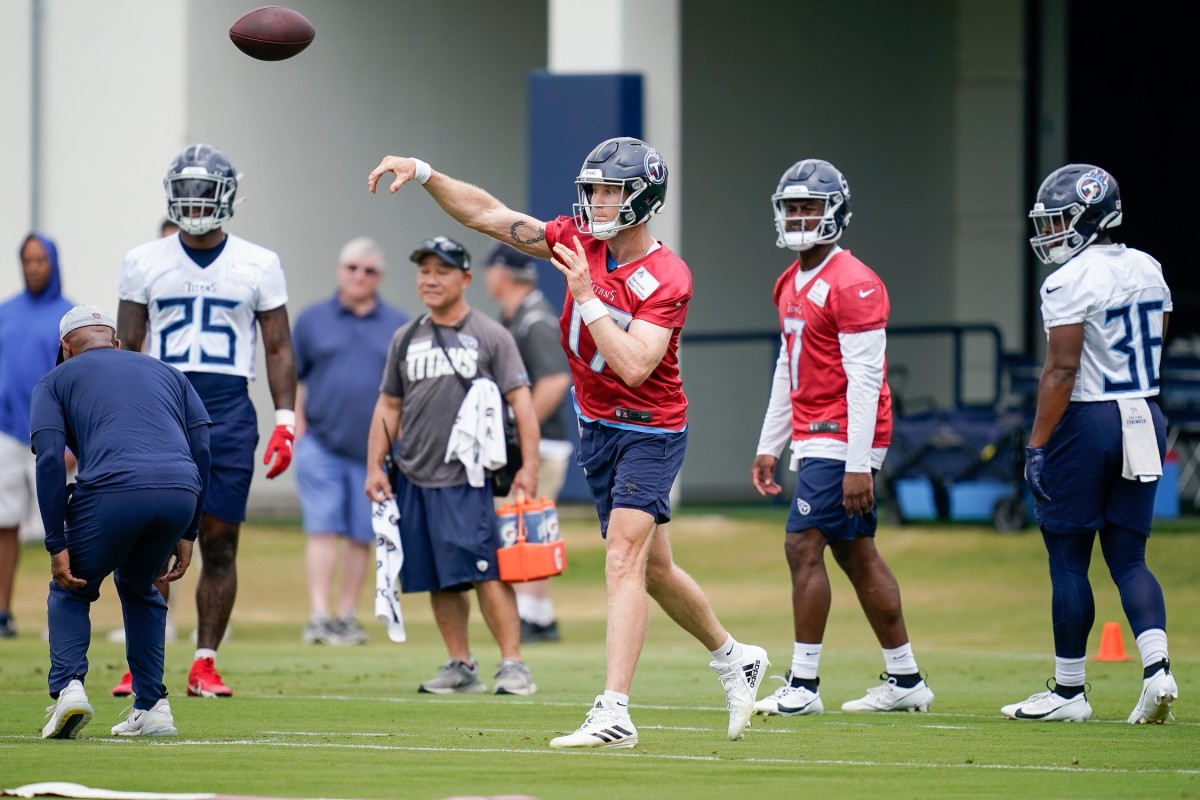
x,y
70,712
607,725
1050,707
156,721
1159,691
790,701
891,697
741,681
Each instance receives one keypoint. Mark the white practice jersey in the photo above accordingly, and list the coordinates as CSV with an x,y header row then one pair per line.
x,y
202,319
1120,296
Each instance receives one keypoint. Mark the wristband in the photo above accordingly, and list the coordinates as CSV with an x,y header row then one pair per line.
x,y
423,171
592,310
285,416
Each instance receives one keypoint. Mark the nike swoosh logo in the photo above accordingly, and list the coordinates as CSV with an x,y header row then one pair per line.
x,y
1052,291
1019,714
864,294
813,653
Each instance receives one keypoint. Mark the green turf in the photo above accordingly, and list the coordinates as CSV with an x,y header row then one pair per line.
x,y
347,722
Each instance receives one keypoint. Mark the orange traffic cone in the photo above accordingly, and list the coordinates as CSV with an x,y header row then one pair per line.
x,y
1112,648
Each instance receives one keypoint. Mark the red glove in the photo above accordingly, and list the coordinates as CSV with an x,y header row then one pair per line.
x,y
280,446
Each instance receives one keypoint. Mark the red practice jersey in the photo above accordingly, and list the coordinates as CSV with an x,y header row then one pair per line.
x,y
655,288
844,297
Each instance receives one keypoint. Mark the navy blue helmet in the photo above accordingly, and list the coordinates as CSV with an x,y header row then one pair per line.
x,y
201,186
631,164
1074,205
815,179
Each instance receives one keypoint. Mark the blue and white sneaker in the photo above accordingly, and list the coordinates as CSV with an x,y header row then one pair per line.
x,y
1159,693
790,701
893,697
1048,706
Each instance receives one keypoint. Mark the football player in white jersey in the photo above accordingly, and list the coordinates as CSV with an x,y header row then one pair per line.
x,y
202,293
1096,449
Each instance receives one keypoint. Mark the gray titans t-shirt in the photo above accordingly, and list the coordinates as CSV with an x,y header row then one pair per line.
x,y
535,327
478,346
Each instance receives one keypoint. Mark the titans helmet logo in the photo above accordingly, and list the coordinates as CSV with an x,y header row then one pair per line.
x,y
656,170
1093,186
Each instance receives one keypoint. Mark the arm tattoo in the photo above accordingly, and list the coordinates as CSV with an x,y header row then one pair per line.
x,y
538,236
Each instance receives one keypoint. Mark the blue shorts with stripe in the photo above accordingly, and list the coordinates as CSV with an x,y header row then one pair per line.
x,y
233,438
817,503
630,468
1082,473
449,536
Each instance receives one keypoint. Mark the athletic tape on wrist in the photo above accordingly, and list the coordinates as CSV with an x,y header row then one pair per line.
x,y
423,171
285,416
592,310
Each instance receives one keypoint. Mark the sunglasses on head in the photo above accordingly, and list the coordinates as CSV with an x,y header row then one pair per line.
x,y
368,270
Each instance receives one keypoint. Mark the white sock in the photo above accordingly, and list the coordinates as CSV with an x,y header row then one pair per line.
x,y
618,700
900,660
203,652
1152,644
1069,671
728,653
805,658
538,610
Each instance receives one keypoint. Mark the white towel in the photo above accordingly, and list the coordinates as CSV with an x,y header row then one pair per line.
x,y
477,438
1141,460
389,555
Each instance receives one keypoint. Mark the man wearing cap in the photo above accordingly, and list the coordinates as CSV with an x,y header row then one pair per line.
x,y
341,346
448,520
143,457
511,278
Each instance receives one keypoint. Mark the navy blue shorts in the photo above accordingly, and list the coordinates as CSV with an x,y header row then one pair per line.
x,y
630,469
233,438
1082,473
817,503
449,536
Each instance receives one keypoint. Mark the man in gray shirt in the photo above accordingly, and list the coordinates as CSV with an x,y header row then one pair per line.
x,y
448,520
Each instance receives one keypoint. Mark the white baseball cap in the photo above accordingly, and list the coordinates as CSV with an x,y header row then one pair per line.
x,y
82,317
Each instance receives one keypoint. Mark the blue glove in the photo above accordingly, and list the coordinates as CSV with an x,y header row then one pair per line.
x,y
1035,460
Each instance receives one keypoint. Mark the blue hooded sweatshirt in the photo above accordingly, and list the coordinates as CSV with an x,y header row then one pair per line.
x,y
28,342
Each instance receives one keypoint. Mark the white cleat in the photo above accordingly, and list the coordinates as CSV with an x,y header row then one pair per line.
x,y
70,712
892,697
607,725
1159,692
1050,707
741,681
790,701
155,721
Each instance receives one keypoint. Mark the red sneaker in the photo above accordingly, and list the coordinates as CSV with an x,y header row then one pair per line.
x,y
125,687
204,681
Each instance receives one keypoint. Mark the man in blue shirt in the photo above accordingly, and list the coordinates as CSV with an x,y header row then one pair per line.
x,y
28,342
341,347
140,433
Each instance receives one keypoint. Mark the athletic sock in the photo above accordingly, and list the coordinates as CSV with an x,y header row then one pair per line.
x,y
900,660
728,653
1067,692
203,652
1151,670
1152,645
620,701
806,657
1069,672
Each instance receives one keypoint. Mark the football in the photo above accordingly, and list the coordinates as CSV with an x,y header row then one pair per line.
x,y
272,33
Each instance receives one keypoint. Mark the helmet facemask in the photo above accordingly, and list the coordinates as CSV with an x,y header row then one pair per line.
x,y
194,188
626,213
826,230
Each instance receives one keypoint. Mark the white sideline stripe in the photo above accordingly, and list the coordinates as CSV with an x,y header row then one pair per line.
x,y
837,762
639,706
330,733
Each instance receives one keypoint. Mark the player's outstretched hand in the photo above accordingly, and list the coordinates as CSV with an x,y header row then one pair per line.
x,y
403,167
183,559
60,568
280,447
573,264
762,475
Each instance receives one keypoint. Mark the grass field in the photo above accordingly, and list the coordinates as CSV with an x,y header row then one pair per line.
x,y
348,723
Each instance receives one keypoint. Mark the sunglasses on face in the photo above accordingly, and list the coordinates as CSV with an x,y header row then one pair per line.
x,y
372,271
